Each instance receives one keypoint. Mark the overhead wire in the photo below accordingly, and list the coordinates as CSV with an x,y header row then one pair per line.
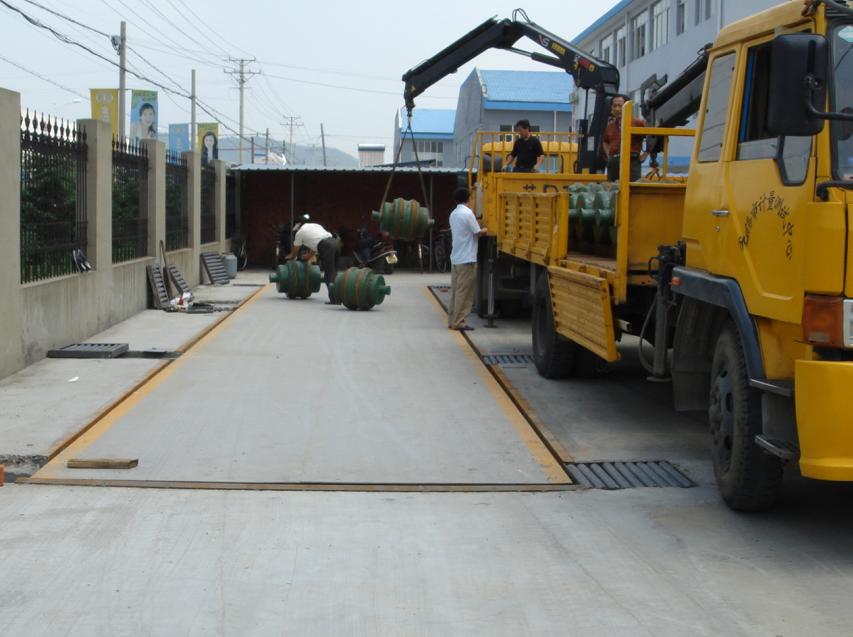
x,y
42,77
206,108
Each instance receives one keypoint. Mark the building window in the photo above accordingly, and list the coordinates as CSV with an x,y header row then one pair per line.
x,y
704,10
680,16
660,23
621,46
639,24
606,53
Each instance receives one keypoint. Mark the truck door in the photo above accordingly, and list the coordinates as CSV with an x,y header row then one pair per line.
x,y
704,226
765,197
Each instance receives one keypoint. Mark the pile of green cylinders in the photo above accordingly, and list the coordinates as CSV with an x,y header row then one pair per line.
x,y
360,288
297,279
592,217
403,219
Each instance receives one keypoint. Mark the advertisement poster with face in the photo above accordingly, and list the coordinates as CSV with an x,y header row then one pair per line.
x,y
105,106
208,141
179,137
143,114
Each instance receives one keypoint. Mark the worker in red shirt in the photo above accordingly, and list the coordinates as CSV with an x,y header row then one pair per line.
x,y
611,142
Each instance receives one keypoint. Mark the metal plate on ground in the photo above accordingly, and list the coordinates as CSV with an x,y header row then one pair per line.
x,y
90,350
627,475
508,360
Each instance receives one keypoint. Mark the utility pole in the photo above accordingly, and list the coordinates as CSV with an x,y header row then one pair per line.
x,y
243,75
323,139
193,115
121,47
267,148
290,121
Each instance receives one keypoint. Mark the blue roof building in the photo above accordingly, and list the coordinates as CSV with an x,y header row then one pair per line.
x,y
433,133
496,100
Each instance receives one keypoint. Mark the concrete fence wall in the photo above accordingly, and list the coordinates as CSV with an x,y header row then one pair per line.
x,y
38,316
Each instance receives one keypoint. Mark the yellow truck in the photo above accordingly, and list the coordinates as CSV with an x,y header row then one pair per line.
x,y
739,275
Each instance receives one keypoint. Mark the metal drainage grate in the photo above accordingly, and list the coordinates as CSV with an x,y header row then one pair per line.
x,y
508,360
89,350
627,475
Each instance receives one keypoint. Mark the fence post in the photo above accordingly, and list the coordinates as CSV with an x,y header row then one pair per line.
x,y
156,196
11,325
194,211
99,193
219,203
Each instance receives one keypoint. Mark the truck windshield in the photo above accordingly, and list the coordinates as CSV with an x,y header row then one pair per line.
x,y
842,132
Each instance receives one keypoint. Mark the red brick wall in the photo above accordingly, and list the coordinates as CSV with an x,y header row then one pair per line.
x,y
337,201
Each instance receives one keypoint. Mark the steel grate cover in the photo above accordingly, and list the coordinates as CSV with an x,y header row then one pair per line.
x,y
627,475
89,350
215,269
508,360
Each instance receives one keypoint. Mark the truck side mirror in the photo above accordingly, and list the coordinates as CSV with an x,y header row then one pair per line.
x,y
799,65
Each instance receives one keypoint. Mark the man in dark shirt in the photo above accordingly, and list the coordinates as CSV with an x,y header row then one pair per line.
x,y
527,153
611,142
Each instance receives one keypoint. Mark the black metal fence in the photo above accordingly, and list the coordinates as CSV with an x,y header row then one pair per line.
x,y
230,205
130,209
53,197
177,208
208,209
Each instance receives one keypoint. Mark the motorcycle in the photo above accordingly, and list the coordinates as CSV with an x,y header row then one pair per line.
x,y
377,254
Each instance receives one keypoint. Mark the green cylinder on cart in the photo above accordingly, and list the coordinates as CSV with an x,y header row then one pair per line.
x,y
403,219
360,288
297,279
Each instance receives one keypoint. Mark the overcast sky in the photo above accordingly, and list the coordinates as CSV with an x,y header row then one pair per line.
x,y
335,62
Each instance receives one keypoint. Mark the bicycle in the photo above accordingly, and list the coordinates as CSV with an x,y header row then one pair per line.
x,y
442,247
238,247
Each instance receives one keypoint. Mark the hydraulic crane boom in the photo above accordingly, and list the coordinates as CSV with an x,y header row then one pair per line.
x,y
588,72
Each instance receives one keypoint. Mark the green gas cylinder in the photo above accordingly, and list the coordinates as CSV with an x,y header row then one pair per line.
x,y
403,219
360,288
297,279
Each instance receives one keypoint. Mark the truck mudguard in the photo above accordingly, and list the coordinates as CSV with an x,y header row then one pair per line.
x,y
724,293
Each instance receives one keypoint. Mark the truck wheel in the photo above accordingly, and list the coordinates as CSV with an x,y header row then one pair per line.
x,y
590,365
749,479
553,355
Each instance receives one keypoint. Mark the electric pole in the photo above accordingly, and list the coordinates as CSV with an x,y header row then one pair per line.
x,y
122,72
193,115
291,120
267,148
323,139
243,75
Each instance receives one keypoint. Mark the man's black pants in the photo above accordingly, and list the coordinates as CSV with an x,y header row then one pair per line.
x,y
327,251
613,168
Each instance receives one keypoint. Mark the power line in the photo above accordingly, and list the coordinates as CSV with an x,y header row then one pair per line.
x,y
65,17
354,88
67,40
42,77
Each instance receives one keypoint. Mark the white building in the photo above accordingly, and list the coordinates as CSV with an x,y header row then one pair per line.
x,y
371,155
647,37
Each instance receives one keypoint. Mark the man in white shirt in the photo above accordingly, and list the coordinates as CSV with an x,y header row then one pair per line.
x,y
318,240
463,260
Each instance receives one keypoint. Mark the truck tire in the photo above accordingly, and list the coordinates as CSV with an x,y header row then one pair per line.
x,y
589,365
748,478
553,355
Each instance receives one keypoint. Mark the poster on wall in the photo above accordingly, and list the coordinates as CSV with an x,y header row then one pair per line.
x,y
105,106
179,137
143,114
208,141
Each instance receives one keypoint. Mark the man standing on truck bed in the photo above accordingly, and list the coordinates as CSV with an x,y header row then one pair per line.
x,y
463,260
611,142
526,154
317,239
